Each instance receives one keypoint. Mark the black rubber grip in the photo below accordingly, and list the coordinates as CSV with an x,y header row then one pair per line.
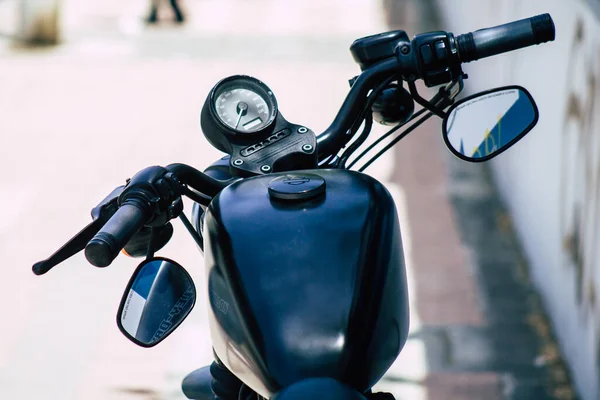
x,y
114,235
503,38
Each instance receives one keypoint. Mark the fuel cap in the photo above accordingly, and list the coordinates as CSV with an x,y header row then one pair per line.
x,y
294,187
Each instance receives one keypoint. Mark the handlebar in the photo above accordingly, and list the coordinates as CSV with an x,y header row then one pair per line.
x,y
334,137
196,179
151,197
114,235
435,57
504,38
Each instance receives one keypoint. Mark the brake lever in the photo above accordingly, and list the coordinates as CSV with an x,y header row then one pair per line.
x,y
100,214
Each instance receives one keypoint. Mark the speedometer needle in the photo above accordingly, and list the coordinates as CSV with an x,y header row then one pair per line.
x,y
242,108
238,120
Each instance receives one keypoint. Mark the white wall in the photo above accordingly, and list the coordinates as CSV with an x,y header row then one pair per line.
x,y
555,170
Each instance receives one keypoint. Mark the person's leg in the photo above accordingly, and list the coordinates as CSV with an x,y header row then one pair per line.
x,y
178,14
153,16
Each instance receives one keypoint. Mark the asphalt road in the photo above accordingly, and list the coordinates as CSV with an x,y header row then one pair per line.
x,y
77,120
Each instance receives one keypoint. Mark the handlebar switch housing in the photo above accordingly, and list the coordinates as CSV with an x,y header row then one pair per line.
x,y
372,49
435,58
156,190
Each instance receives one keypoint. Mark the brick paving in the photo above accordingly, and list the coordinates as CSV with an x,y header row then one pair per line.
x,y
446,290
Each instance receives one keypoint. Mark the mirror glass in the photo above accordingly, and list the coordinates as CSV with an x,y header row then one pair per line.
x,y
481,126
160,295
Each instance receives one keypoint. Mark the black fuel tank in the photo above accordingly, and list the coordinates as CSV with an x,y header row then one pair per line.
x,y
312,287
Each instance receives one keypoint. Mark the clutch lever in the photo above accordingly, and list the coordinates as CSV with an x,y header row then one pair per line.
x,y
100,214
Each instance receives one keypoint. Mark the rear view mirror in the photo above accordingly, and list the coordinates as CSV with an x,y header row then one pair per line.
x,y
484,125
159,296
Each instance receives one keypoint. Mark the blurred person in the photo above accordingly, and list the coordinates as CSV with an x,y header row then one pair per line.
x,y
153,17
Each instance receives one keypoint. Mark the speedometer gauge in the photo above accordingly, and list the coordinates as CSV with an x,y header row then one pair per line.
x,y
243,104
241,111
240,117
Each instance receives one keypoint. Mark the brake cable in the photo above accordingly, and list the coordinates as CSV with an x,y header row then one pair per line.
x,y
444,95
382,138
367,117
368,125
396,140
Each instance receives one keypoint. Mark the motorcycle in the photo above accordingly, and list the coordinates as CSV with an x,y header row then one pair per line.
x,y
307,289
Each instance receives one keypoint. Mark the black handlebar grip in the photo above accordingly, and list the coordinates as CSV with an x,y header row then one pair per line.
x,y
503,38
114,235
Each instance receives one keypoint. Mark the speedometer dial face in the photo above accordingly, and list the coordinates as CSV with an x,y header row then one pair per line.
x,y
242,110
244,105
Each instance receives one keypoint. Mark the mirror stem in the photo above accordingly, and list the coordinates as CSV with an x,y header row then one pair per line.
x,y
420,100
196,235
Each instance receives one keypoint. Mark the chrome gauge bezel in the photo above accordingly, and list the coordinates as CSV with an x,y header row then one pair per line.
x,y
243,82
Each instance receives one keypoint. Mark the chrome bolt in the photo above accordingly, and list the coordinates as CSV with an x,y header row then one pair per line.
x,y
265,168
405,49
307,148
238,162
302,130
